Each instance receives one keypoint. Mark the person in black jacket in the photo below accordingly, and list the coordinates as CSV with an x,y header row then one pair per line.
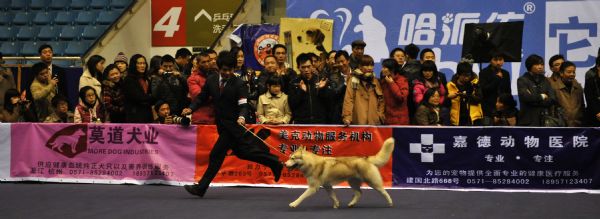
x,y
592,97
493,81
137,92
535,93
230,99
307,95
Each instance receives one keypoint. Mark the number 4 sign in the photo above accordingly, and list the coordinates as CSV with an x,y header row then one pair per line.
x,y
168,23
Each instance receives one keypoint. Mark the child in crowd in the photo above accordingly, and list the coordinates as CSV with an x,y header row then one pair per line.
x,y
272,107
89,109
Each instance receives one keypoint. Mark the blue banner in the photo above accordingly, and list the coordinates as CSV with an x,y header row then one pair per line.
x,y
436,24
497,158
257,42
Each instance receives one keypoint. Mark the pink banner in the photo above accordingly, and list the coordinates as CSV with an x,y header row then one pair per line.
x,y
136,152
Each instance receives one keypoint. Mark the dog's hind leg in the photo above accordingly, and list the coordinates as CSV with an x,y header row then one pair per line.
x,y
377,183
329,189
355,185
311,190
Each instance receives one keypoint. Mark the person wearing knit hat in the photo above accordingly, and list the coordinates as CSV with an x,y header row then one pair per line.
x,y
121,62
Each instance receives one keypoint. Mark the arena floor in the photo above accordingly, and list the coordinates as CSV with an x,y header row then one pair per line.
x,y
47,200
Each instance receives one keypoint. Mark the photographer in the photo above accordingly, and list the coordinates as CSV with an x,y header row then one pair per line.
x,y
43,89
16,108
164,116
463,91
7,80
170,86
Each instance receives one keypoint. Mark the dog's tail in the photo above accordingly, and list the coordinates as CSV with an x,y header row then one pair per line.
x,y
382,157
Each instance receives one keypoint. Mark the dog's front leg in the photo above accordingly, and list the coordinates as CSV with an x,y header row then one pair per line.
x,y
312,189
329,189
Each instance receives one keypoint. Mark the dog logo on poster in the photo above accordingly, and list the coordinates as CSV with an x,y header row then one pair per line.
x,y
263,46
69,141
427,148
373,30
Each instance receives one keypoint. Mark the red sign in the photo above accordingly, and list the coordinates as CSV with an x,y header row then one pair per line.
x,y
326,141
168,23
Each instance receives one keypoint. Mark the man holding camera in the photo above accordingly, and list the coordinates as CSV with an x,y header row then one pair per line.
x,y
164,116
229,97
170,86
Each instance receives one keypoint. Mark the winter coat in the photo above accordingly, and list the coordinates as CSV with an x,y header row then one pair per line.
x,y
87,79
273,108
114,101
205,114
475,111
84,114
363,105
530,88
571,100
396,99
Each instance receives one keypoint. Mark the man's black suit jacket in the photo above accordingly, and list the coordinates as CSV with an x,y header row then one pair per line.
x,y
227,105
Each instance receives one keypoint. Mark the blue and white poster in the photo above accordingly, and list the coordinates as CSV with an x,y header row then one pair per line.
x,y
550,27
497,158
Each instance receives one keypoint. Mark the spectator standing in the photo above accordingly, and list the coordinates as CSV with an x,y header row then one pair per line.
x,y
205,114
535,93
136,88
395,93
464,94
307,95
43,89
121,63
170,86
494,80
428,79
93,73
592,95
569,94
112,94
555,62
358,50
54,71
363,101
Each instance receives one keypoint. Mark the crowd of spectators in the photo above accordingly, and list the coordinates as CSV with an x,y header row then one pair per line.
x,y
329,88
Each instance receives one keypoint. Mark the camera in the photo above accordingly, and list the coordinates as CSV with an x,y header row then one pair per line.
x,y
184,121
24,102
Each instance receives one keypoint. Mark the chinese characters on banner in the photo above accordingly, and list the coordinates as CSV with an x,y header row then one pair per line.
x,y
283,140
497,158
103,151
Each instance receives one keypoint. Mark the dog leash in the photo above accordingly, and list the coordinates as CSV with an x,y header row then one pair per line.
x,y
263,141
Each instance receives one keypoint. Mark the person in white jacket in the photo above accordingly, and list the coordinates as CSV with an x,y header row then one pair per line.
x,y
93,73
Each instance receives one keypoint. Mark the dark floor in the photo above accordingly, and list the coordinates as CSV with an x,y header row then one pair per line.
x,y
33,200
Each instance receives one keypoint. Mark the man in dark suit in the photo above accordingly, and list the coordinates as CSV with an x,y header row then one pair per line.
x,y
46,54
229,97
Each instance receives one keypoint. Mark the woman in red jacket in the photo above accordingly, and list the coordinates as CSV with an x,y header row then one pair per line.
x,y
395,93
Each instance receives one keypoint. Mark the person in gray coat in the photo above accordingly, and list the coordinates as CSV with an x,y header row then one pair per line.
x,y
535,93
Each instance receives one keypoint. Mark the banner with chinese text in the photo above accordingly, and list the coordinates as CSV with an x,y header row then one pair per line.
x,y
282,140
497,158
119,152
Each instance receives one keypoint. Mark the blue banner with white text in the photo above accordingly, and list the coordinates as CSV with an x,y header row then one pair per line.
x,y
497,158
550,27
